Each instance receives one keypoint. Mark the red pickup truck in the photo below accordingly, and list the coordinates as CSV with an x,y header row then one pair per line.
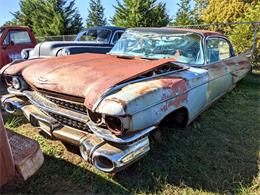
x,y
12,40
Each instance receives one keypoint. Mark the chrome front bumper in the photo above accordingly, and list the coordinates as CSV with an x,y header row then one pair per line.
x,y
95,145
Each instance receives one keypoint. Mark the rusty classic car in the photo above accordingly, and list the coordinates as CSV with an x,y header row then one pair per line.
x,y
109,104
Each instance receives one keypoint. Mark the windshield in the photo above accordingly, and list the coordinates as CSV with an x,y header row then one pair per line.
x,y
1,31
95,36
185,47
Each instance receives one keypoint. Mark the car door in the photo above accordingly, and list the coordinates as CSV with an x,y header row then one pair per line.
x,y
219,53
14,42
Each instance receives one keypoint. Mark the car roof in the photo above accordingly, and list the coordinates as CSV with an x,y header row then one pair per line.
x,y
16,27
172,30
113,28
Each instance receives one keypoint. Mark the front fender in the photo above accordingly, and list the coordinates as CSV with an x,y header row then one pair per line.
x,y
138,100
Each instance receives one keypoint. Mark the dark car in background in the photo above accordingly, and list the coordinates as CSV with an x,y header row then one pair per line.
x,y
99,39
13,39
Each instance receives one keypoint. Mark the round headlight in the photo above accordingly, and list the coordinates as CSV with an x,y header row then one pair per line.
x,y
115,125
64,52
16,83
25,54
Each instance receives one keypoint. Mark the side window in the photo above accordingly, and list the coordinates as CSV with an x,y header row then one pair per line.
x,y
116,37
20,37
217,49
90,35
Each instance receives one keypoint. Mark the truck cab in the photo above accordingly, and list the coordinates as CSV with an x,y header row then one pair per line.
x,y
13,39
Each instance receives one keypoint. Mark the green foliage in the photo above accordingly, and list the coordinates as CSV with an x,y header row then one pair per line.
x,y
96,14
184,14
224,11
242,35
139,13
221,11
198,11
49,17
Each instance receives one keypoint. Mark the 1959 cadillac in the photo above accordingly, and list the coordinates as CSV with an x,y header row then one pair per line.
x,y
98,39
108,105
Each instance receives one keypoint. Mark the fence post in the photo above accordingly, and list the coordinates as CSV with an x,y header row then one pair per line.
x,y
255,25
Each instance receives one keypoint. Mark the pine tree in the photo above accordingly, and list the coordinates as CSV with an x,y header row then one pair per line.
x,y
27,10
96,14
139,13
49,17
184,14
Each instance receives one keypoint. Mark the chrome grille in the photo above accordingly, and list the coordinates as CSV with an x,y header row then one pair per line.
x,y
70,122
68,104
69,107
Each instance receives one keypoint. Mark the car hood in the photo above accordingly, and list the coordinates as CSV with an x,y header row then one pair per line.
x,y
83,75
51,48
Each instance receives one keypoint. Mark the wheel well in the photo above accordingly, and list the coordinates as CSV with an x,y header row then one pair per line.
x,y
179,116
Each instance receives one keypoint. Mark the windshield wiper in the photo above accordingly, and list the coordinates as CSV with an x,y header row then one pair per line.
x,y
133,57
149,58
122,56
125,56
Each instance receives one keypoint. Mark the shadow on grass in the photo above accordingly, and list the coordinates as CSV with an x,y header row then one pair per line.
x,y
60,176
217,153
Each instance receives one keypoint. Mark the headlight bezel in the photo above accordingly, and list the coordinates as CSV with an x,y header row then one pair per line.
x,y
63,52
112,123
25,54
18,83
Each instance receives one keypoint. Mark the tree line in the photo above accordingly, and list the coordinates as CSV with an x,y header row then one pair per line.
x,y
56,17
61,17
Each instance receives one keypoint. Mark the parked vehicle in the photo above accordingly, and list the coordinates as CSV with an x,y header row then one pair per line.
x,y
94,40
12,40
108,105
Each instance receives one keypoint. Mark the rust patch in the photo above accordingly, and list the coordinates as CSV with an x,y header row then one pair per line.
x,y
121,102
177,86
177,102
7,170
243,64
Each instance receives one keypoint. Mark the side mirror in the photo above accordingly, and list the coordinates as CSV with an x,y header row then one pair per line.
x,y
4,46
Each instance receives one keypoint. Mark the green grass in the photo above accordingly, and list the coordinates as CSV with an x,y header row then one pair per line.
x,y
218,153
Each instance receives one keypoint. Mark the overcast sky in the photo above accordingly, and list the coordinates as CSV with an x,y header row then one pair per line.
x,y
7,6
